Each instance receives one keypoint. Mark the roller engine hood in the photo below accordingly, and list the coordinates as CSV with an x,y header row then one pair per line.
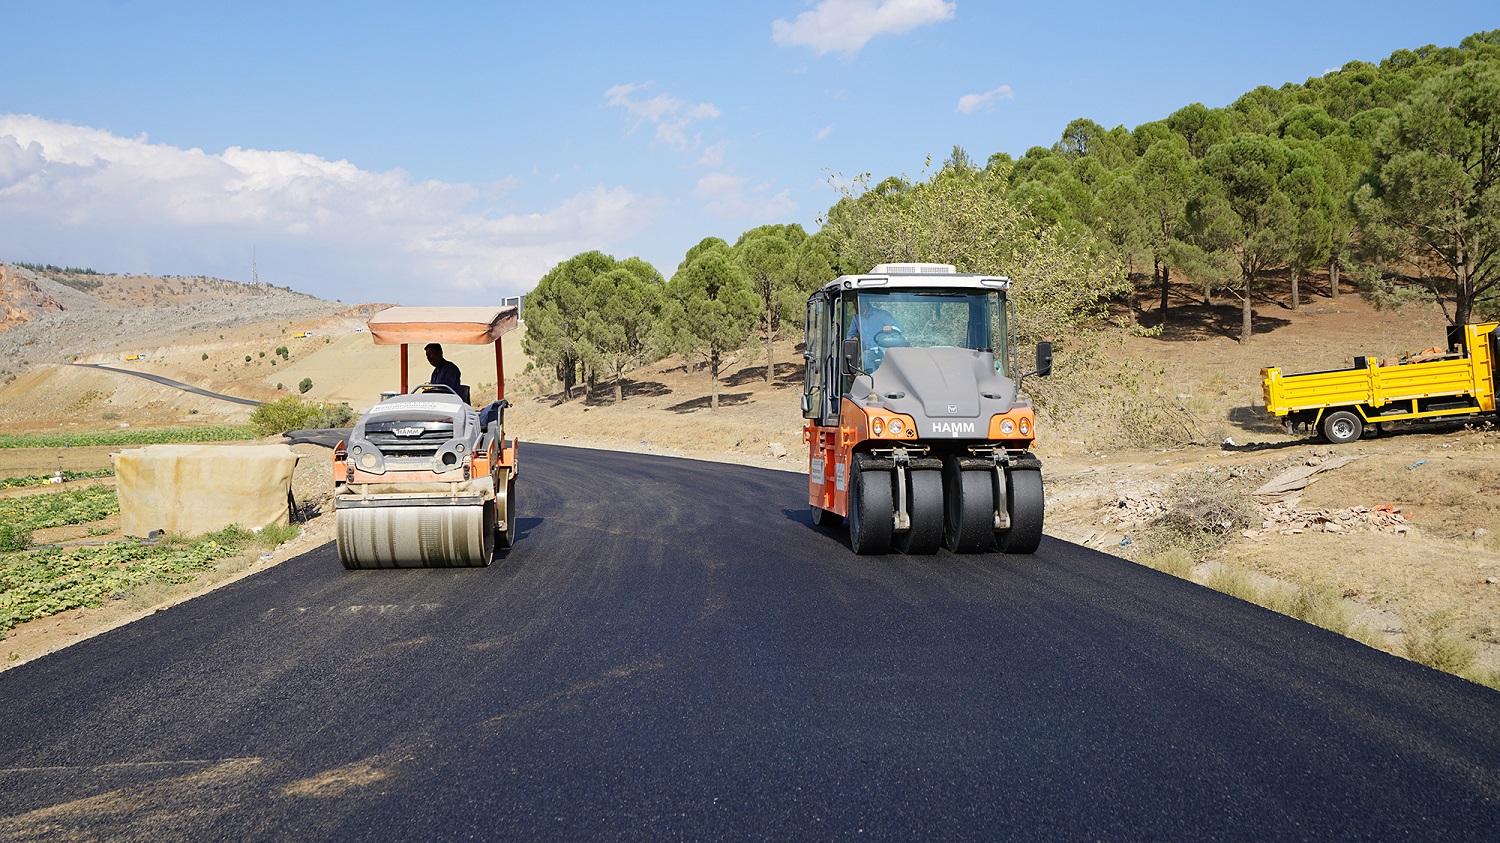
x,y
936,385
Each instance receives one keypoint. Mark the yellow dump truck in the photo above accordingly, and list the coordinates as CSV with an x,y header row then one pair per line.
x,y
1436,384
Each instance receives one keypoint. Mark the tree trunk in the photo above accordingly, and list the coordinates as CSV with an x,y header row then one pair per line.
x,y
713,373
620,385
1296,300
1166,285
566,372
1333,278
770,357
1247,314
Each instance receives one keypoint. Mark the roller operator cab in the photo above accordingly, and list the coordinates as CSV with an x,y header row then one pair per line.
x,y
917,431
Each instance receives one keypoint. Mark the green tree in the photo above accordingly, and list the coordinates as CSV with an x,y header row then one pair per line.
x,y
711,308
1433,194
768,255
305,385
555,315
970,220
1164,174
1313,208
622,312
1241,211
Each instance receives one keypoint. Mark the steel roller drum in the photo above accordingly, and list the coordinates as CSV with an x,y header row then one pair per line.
x,y
416,536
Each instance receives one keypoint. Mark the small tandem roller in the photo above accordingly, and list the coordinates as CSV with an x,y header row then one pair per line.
x,y
425,480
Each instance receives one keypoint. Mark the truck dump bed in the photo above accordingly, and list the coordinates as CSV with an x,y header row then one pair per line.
x,y
1457,383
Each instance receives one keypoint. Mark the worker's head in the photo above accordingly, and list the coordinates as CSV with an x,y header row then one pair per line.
x,y
434,353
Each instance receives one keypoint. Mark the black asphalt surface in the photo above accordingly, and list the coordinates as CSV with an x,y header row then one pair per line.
x,y
164,381
672,652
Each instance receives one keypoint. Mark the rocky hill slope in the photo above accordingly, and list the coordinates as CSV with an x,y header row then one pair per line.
x,y
57,317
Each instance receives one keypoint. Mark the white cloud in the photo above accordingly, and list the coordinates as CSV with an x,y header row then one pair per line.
x,y
87,197
671,116
713,156
824,132
970,103
845,26
726,195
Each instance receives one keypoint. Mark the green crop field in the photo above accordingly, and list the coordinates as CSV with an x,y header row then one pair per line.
x,y
128,436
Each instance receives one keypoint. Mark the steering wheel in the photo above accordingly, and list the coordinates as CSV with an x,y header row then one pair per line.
x,y
433,387
891,337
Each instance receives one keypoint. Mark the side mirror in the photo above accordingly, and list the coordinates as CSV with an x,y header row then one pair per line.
x,y
853,356
1043,359
812,400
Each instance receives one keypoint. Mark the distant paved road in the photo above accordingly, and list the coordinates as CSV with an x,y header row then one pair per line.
x,y
671,651
164,381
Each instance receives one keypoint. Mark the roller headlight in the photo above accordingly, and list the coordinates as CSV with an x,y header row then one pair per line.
x,y
367,461
1025,427
877,427
897,428
1007,426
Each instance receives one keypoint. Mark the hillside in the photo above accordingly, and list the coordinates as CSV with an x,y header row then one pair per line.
x,y
55,317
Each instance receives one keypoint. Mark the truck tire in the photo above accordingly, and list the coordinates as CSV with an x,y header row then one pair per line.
x,y
1023,491
969,502
1342,426
925,506
872,511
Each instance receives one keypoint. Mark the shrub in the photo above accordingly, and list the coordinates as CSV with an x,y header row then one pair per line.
x,y
1432,641
14,537
1202,513
282,350
262,354
289,413
247,358
305,385
205,355
292,413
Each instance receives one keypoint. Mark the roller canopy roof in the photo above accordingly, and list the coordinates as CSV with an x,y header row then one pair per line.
x,y
458,325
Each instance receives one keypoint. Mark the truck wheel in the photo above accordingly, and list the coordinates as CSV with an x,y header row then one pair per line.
x,y
823,518
871,512
969,523
1342,426
925,506
1023,489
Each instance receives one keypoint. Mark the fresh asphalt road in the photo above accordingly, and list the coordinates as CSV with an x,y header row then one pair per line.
x,y
671,651
165,381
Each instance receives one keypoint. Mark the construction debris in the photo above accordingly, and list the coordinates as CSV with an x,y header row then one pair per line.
x,y
1287,519
1298,478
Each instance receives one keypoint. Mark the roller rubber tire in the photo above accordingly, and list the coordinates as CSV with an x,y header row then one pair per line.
x,y
824,518
925,506
504,539
1023,491
969,509
1341,426
871,512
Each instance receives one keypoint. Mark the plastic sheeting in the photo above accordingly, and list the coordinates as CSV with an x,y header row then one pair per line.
x,y
196,489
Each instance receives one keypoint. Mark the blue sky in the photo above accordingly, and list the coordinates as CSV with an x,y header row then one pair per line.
x,y
444,153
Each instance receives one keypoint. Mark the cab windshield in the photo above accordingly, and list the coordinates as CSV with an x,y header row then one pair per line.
x,y
974,319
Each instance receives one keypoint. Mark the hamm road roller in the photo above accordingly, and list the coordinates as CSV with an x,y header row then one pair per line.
x,y
425,480
916,429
